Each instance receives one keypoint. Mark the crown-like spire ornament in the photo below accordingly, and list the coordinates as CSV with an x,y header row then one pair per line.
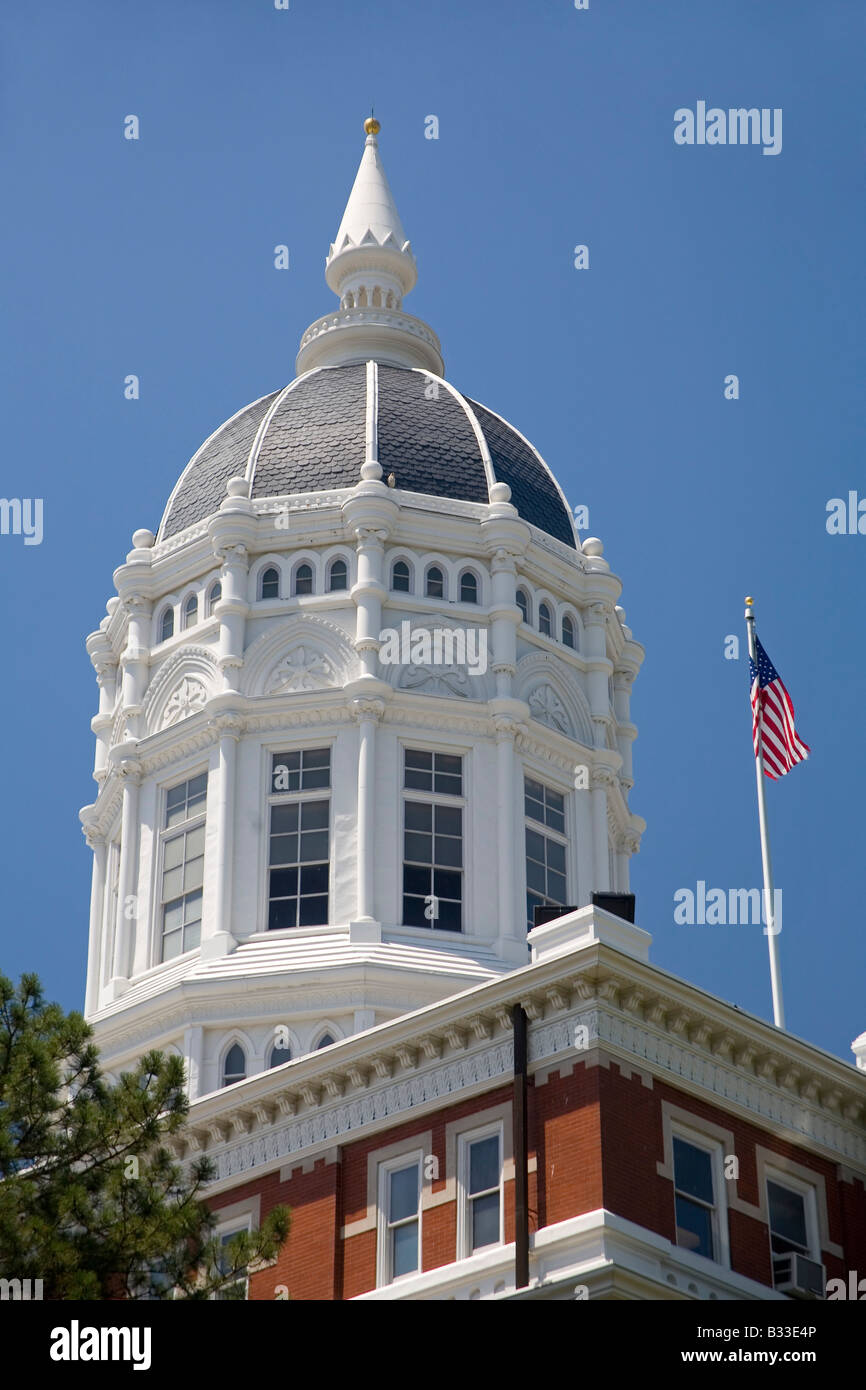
x,y
370,267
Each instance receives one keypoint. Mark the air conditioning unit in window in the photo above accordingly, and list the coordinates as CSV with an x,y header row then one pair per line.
x,y
798,1277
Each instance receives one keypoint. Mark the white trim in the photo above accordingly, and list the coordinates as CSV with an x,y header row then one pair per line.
x,y
384,1274
465,1140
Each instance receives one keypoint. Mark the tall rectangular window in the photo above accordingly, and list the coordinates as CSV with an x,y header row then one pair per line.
x,y
183,866
399,1218
788,1222
433,840
300,857
546,843
480,1166
695,1198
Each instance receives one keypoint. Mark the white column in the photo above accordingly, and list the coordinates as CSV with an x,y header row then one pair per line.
x,y
97,917
232,610
601,779
135,660
512,929
217,937
127,901
193,1049
368,713
369,593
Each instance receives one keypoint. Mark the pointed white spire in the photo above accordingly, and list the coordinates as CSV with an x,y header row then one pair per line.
x,y
371,220
370,267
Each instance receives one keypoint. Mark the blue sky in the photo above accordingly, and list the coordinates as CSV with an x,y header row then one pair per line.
x,y
556,128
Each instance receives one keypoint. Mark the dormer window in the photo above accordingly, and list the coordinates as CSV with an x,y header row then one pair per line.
x,y
435,586
303,579
468,588
338,576
400,577
235,1065
269,585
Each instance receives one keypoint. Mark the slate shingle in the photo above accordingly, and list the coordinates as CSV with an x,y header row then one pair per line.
x,y
204,486
533,491
428,444
316,438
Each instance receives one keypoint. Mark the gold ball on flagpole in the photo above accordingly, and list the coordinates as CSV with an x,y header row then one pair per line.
x,y
372,126
750,601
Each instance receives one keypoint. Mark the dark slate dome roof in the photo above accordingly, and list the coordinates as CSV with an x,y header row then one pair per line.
x,y
311,436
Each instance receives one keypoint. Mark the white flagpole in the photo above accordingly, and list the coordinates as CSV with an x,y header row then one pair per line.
x,y
769,897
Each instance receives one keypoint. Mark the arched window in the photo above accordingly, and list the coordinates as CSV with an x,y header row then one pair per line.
x,y
338,576
523,604
190,611
166,627
235,1065
269,585
568,632
468,588
213,598
279,1055
303,579
435,586
325,1041
544,619
400,577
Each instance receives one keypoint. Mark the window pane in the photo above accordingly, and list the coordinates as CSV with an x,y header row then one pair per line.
x,y
282,913
173,915
284,849
279,1055
416,880
419,757
448,851
171,945
449,820
173,852
314,815
419,815
314,879
447,885
314,846
556,887
313,912
403,1200
485,1220
284,818
404,1256
535,876
192,936
556,856
195,842
694,1227
484,1164
694,1171
413,913
787,1214
284,883
418,848
450,917
193,876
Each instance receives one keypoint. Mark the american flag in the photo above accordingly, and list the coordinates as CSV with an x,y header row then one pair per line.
x,y
773,732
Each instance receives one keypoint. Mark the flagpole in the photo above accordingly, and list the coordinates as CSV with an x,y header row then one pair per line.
x,y
769,897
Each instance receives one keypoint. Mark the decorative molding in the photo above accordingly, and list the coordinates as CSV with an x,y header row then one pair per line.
x,y
189,697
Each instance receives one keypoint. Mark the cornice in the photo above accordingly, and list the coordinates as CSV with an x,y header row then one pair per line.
x,y
634,1015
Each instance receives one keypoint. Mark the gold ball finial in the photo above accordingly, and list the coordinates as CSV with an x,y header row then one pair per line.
x,y
372,126
749,601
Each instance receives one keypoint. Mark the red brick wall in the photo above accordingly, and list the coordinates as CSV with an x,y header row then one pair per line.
x,y
597,1137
